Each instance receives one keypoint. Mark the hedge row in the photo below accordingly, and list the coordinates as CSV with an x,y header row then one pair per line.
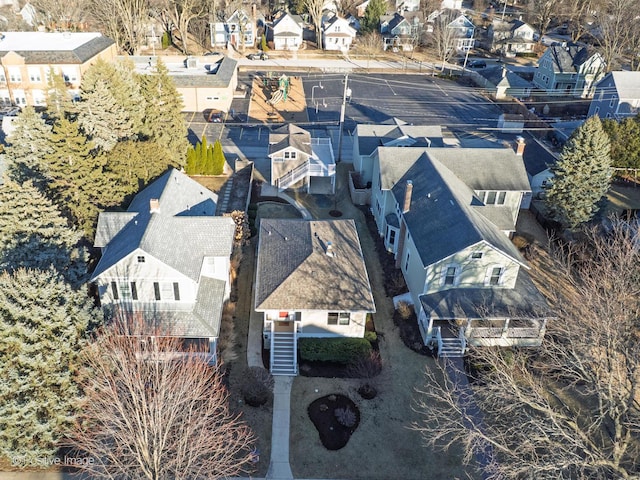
x,y
339,350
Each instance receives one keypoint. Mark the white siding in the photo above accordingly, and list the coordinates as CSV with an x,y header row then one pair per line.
x,y
315,324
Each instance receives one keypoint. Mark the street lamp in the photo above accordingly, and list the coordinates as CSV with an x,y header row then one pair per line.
x,y
313,90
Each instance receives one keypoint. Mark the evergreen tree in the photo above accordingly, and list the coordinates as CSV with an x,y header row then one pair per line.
x,y
218,159
34,234
123,86
75,175
581,177
28,143
625,141
59,102
199,158
101,118
372,14
163,121
191,161
42,321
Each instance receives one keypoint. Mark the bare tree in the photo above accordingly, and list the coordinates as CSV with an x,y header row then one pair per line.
x,y
542,11
145,415
570,408
314,8
443,38
122,20
615,26
61,14
180,13
370,45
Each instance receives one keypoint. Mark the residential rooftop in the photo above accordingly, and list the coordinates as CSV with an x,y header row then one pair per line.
x,y
55,47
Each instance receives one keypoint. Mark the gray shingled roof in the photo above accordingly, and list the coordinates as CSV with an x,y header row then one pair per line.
x,y
501,78
201,322
109,224
524,300
448,201
568,59
78,55
536,157
290,135
180,234
371,137
294,272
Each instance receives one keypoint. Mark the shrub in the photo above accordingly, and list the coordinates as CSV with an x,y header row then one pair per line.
x,y
257,386
166,40
345,416
367,366
371,337
405,310
339,350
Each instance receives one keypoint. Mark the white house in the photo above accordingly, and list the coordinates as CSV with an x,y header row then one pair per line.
x,y
337,34
447,214
239,30
286,32
300,160
401,31
463,33
311,281
510,37
166,260
571,70
617,96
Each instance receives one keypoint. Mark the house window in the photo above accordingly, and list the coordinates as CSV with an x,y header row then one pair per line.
x,y
140,259
476,255
176,290
14,75
34,75
495,275
291,155
3,79
156,290
392,237
406,262
450,276
134,291
596,111
494,198
338,318
613,101
114,290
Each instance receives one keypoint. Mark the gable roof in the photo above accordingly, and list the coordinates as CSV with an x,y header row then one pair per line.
x,y
627,84
282,20
371,137
501,77
55,47
290,135
336,19
294,273
570,58
180,234
536,157
444,181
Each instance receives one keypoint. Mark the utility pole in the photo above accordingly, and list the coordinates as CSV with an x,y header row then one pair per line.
x,y
342,110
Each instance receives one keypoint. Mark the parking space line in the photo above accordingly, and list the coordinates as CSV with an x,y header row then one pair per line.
x,y
388,85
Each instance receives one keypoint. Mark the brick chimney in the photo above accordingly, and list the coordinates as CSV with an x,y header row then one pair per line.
x,y
520,146
408,189
154,205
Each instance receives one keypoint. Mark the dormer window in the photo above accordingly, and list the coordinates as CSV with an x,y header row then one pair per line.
x,y
289,155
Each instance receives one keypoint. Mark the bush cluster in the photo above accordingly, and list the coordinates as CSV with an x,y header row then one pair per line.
x,y
338,350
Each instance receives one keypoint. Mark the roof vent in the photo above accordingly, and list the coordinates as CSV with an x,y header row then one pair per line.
x,y
329,250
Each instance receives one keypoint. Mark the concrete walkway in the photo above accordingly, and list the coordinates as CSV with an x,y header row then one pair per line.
x,y
279,468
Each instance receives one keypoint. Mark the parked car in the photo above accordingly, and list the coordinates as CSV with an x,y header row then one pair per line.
x,y
214,116
477,64
208,54
258,56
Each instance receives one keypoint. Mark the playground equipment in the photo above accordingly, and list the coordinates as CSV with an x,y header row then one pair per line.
x,y
279,88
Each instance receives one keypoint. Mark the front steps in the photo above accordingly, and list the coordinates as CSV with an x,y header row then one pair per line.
x,y
451,348
283,354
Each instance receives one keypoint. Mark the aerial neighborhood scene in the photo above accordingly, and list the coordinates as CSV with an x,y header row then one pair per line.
x,y
319,239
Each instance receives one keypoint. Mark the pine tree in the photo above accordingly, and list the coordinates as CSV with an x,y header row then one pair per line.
x,y
191,161
28,143
34,234
75,175
120,80
101,118
59,102
581,177
372,14
200,159
42,322
163,121
218,159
